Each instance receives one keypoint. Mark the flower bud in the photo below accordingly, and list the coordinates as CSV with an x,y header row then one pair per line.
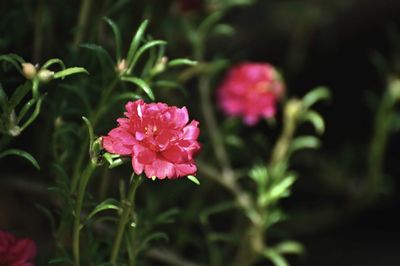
x,y
394,88
121,66
160,65
293,109
28,70
45,75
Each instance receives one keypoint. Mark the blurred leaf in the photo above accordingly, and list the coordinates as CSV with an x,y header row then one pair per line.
x,y
223,29
3,99
117,35
141,84
61,260
48,214
194,179
22,154
153,236
289,247
127,96
169,84
70,71
218,208
100,51
304,142
314,96
208,22
108,204
316,120
181,62
281,189
167,216
276,258
136,41
25,109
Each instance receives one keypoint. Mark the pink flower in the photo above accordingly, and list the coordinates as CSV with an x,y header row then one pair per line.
x,y
251,90
16,252
158,137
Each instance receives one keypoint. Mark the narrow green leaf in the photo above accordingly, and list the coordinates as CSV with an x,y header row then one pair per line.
x,y
167,216
141,50
181,62
316,120
25,109
276,258
194,179
61,260
136,41
218,208
289,247
90,131
117,35
108,204
281,189
52,62
315,95
13,59
127,96
3,99
141,84
153,236
34,114
19,94
70,71
304,142
22,154
100,51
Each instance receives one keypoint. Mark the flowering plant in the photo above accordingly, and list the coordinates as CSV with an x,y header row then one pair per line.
x,y
16,252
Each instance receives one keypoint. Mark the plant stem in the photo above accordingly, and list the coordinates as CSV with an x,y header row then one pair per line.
x,y
127,208
78,209
82,21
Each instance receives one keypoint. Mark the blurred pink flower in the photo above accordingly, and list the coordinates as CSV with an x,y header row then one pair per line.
x,y
251,90
16,252
158,137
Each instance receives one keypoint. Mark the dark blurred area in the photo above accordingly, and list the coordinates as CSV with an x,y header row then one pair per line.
x,y
313,42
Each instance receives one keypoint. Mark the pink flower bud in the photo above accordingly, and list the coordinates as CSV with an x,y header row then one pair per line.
x,y
251,90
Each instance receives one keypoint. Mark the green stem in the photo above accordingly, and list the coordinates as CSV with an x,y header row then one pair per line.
x,y
94,119
127,208
78,209
82,21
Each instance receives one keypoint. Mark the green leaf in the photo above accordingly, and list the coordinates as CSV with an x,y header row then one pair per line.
x,y
141,84
13,59
19,94
70,71
136,41
127,96
156,235
117,35
100,51
276,258
289,247
194,179
314,96
3,99
108,204
304,142
218,208
52,62
223,29
166,217
141,50
22,154
316,120
90,131
25,109
34,114
282,188
181,62
62,260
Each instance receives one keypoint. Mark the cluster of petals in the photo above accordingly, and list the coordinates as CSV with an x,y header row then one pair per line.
x,y
158,137
251,90
16,252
